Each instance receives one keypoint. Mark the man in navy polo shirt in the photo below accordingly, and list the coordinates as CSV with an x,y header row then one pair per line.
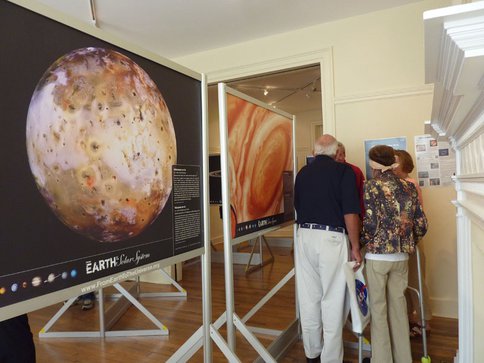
x,y
327,206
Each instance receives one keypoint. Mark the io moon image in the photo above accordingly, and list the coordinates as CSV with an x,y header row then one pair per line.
x,y
101,144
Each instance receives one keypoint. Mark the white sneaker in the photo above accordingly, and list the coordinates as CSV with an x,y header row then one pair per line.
x,y
87,304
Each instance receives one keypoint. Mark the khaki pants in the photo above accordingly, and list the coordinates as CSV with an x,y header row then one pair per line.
x,y
387,282
321,286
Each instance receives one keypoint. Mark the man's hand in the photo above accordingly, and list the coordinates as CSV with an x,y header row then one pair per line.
x,y
356,256
352,222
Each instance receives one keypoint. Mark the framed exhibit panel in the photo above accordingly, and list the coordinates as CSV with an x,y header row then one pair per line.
x,y
101,156
257,164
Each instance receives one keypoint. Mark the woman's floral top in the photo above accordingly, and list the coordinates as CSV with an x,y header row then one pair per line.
x,y
394,219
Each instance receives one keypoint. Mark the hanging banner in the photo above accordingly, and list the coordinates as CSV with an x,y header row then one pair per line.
x,y
398,143
435,161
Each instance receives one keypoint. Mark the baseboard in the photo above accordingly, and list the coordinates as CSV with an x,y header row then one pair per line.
x,y
445,308
155,277
217,240
279,241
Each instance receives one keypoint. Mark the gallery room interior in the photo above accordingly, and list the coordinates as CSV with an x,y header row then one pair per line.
x,y
150,152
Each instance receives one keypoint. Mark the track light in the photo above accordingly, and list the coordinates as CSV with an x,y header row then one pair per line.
x,y
93,13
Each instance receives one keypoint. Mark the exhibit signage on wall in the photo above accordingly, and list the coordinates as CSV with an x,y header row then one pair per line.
x,y
435,161
398,143
101,152
261,166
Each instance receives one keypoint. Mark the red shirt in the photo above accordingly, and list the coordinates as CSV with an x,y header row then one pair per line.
x,y
360,179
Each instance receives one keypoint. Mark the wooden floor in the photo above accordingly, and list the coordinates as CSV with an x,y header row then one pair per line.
x,y
184,317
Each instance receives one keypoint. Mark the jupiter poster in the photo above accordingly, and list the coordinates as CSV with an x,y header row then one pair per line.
x,y
260,157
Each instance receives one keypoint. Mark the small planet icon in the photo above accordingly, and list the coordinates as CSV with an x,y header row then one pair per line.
x,y
14,287
64,275
24,284
101,144
51,278
36,281
73,273
2,290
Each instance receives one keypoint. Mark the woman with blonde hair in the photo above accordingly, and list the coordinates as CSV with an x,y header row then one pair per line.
x,y
403,170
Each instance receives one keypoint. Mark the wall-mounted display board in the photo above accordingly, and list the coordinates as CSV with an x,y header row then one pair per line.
x,y
260,158
398,143
435,161
101,158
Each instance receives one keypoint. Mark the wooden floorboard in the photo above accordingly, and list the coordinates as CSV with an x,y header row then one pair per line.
x,y
184,316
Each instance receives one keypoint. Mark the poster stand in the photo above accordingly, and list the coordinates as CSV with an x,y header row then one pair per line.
x,y
208,331
253,260
110,316
233,321
107,318
258,265
181,292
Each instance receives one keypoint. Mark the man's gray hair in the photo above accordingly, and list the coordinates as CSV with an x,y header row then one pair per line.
x,y
326,149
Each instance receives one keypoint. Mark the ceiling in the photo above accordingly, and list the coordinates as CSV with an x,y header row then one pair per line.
x,y
180,27
293,91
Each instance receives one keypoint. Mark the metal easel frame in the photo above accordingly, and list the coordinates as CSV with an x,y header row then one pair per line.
x,y
208,331
253,260
258,265
181,292
232,319
107,318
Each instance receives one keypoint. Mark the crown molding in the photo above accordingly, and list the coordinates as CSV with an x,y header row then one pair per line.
x,y
385,94
454,62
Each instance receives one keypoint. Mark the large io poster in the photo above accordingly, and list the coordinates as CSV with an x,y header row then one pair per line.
x,y
101,158
260,165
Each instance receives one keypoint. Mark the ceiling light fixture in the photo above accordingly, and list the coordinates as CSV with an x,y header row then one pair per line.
x,y
266,92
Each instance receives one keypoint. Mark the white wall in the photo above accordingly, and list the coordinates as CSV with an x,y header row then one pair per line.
x,y
378,85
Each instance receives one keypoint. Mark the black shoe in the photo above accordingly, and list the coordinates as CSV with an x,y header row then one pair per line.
x,y
366,360
313,360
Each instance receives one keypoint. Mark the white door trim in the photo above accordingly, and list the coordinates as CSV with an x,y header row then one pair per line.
x,y
323,57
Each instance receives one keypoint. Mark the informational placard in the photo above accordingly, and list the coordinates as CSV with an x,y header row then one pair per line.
x,y
398,143
260,164
101,155
435,161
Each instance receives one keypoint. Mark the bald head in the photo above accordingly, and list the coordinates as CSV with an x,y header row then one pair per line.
x,y
326,145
